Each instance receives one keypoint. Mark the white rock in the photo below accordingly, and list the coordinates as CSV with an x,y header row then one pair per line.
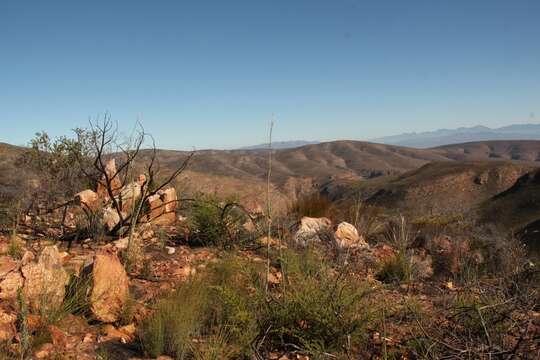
x,y
45,280
310,229
346,236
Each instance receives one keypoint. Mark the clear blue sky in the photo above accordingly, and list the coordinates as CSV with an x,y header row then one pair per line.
x,y
210,73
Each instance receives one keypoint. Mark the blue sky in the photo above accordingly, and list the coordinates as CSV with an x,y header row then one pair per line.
x,y
210,73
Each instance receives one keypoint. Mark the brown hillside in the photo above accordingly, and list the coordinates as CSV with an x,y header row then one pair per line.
x,y
335,166
523,150
448,187
516,207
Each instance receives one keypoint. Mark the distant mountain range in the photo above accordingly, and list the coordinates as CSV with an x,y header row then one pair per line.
x,y
435,138
461,135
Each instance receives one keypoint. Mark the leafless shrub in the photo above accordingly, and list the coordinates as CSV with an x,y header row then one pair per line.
x,y
312,205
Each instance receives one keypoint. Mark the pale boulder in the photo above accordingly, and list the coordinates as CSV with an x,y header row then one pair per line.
x,y
122,244
116,184
311,229
129,195
10,285
110,287
155,207
169,199
165,219
346,236
7,325
110,217
88,199
7,265
45,280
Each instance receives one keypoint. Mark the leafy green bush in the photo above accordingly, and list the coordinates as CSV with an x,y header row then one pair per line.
x,y
216,223
316,309
319,310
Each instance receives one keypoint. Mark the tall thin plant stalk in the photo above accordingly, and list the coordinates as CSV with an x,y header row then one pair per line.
x,y
268,203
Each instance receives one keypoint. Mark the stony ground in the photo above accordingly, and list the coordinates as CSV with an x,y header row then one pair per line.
x,y
398,310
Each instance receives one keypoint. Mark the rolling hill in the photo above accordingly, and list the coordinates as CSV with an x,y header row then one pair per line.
x,y
339,167
448,187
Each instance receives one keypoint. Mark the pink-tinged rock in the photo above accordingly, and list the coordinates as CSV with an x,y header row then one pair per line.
x,y
347,236
311,229
88,199
110,218
110,287
7,325
116,184
45,280
155,206
27,258
7,265
169,198
10,285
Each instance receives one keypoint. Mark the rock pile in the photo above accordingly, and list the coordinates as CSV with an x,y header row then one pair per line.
x,y
42,285
344,235
159,208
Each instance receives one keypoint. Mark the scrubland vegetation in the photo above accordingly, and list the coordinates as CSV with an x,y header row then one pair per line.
x,y
212,284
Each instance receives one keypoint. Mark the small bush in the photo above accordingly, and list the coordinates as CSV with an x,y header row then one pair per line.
x,y
217,307
216,223
15,250
319,310
226,310
398,268
76,301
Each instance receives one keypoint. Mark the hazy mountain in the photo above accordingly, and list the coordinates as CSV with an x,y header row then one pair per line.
x,y
463,134
281,145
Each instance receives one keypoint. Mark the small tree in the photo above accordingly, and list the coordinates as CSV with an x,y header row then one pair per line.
x,y
105,145
64,166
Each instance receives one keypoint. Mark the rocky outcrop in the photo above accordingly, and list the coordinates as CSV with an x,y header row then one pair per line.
x,y
169,198
346,236
130,194
110,289
155,207
110,217
88,199
311,229
7,325
9,286
161,207
116,184
7,265
45,280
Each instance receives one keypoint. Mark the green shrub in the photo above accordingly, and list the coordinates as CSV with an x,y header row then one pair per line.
x,y
397,268
216,223
175,322
15,250
227,311
216,307
319,310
